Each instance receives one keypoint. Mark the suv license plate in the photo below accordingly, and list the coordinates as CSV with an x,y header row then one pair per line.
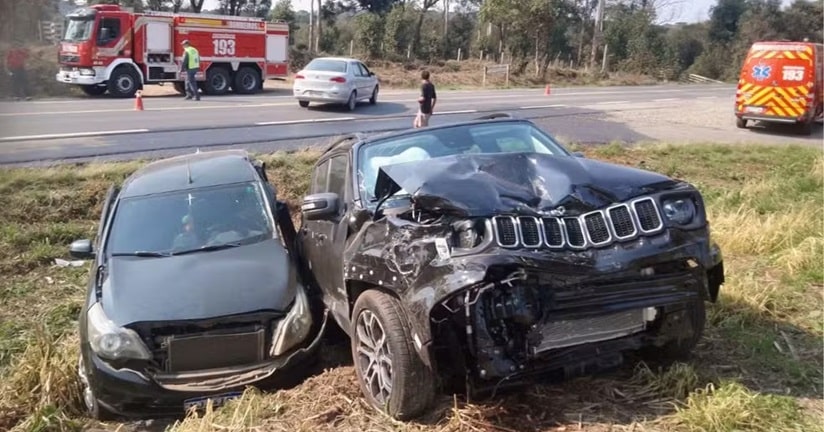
x,y
217,400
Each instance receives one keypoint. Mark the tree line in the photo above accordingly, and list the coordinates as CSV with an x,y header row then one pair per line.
x,y
531,35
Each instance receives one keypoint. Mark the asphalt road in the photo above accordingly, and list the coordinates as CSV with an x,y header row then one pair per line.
x,y
85,128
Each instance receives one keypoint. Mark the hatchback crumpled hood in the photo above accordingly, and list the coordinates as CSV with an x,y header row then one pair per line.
x,y
200,285
529,183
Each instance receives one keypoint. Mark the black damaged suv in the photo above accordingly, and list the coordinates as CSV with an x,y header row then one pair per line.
x,y
476,255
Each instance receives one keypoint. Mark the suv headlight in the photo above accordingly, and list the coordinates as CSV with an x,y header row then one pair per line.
x,y
294,327
112,342
680,211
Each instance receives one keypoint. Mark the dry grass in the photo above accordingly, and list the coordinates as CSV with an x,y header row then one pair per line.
x,y
758,368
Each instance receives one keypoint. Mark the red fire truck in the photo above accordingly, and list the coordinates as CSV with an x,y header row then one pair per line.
x,y
108,48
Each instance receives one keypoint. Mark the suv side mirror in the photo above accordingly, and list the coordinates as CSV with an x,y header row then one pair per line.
x,y
81,249
320,206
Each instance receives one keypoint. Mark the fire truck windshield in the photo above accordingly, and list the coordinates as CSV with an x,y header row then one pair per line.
x,y
78,29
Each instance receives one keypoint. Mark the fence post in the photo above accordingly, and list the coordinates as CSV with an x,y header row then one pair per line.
x,y
351,47
484,82
459,54
481,56
507,75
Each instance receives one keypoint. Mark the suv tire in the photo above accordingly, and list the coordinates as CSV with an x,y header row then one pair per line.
x,y
382,348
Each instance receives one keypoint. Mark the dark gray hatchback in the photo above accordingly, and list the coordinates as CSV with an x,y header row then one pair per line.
x,y
195,291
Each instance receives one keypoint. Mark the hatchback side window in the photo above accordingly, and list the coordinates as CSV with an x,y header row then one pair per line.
x,y
337,176
320,178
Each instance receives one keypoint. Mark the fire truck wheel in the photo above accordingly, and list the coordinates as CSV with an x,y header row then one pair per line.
x,y
180,87
303,104
123,82
217,81
247,81
93,90
740,123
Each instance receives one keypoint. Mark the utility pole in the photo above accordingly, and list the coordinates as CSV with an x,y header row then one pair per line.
x,y
598,34
311,25
445,27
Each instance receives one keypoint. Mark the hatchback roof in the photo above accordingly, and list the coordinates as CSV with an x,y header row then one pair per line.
x,y
202,169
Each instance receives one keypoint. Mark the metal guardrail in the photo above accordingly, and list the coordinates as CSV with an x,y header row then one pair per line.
x,y
695,78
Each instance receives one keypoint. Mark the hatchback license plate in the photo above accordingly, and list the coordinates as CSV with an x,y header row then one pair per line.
x,y
217,400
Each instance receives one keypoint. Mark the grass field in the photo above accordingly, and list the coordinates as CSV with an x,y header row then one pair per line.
x,y
759,367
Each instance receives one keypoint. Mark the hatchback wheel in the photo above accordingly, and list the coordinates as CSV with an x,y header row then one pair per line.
x,y
95,410
391,375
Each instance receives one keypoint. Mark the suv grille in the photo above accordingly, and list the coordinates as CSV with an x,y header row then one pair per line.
x,y
598,228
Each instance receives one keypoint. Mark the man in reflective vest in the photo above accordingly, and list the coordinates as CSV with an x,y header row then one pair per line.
x,y
190,65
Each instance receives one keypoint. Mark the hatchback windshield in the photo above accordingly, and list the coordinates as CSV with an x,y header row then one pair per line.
x,y
325,65
508,137
78,29
190,220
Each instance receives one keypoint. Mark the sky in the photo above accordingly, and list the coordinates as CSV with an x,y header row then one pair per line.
x,y
680,10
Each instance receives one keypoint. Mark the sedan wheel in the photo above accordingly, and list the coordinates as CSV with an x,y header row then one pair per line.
x,y
353,101
391,375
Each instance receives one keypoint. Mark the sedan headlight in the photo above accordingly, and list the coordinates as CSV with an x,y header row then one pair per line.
x,y
680,211
294,327
112,342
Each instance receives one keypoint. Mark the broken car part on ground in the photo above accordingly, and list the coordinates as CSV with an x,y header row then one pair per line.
x,y
195,290
475,255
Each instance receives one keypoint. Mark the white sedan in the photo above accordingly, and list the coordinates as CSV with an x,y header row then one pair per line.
x,y
335,80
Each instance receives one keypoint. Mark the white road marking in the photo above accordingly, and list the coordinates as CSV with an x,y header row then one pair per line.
x,y
666,100
612,102
542,106
708,97
74,135
458,112
321,120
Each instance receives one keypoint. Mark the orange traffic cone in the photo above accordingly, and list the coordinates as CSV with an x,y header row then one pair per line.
x,y
138,101
546,90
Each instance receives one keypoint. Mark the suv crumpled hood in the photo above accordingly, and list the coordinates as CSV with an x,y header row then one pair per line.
x,y
201,285
529,183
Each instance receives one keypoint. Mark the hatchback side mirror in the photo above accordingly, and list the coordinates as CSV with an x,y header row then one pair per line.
x,y
81,249
320,206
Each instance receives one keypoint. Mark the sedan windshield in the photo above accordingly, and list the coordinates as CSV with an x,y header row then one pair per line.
x,y
78,30
199,219
507,137
324,65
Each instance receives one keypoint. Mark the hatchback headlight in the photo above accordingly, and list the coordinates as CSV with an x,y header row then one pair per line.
x,y
294,327
112,342
680,211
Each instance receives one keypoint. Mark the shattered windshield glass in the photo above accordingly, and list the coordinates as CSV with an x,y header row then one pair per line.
x,y
78,29
190,220
439,142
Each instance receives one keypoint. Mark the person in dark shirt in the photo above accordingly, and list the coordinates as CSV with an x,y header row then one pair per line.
x,y
15,65
426,101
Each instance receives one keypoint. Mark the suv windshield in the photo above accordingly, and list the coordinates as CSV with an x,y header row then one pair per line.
x,y
190,220
78,29
326,65
505,137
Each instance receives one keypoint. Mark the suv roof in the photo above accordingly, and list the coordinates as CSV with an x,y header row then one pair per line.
x,y
190,171
348,141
